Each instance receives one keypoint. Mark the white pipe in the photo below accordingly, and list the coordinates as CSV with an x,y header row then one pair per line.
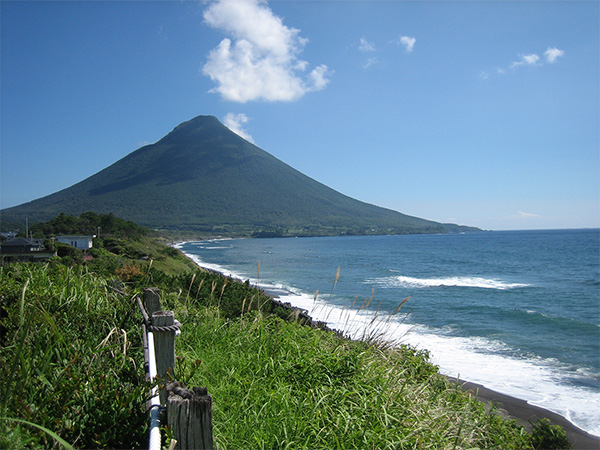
x,y
155,438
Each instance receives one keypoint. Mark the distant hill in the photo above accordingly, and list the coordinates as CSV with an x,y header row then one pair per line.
x,y
204,179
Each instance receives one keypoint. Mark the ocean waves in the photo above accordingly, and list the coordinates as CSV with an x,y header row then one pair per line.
x,y
456,281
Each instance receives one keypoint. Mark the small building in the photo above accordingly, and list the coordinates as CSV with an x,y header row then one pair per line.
x,y
24,249
80,242
8,235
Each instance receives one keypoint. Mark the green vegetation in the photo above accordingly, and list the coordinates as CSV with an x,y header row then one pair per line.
x,y
71,365
88,223
70,359
205,180
546,435
277,384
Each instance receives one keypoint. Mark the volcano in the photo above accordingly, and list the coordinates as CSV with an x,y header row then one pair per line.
x,y
204,179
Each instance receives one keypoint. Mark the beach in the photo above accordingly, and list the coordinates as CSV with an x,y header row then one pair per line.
x,y
509,407
525,414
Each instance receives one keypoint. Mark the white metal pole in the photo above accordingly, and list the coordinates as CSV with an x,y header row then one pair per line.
x,y
155,438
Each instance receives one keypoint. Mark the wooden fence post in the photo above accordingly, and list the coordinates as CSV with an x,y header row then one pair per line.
x,y
164,341
152,300
189,415
164,347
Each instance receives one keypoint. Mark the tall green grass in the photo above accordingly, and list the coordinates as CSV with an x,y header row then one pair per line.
x,y
70,360
277,384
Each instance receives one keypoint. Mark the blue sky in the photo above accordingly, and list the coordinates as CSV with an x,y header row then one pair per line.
x,y
481,113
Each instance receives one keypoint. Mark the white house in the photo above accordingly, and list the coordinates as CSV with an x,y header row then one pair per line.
x,y
80,242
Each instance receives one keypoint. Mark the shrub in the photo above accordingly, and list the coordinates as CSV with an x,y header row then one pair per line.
x,y
68,253
548,436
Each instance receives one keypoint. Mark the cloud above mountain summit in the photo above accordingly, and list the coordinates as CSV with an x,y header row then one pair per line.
x,y
259,60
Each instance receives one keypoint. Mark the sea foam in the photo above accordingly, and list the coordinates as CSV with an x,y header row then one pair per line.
x,y
465,281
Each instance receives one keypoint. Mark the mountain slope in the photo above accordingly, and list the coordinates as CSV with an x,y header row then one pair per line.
x,y
204,178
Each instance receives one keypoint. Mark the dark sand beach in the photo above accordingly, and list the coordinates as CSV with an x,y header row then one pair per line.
x,y
525,413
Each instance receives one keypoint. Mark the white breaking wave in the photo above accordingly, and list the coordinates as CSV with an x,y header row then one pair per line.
x,y
472,282
204,264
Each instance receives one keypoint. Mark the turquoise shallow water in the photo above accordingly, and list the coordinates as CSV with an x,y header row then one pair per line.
x,y
517,311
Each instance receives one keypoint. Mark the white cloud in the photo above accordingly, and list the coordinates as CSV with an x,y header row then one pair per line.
x,y
370,62
318,77
235,123
523,215
260,59
366,46
529,60
407,42
533,59
553,53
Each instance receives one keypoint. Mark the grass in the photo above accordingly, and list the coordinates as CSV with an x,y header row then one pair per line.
x,y
71,362
278,384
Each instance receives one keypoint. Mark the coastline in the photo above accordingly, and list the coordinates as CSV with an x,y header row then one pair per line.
x,y
508,406
525,413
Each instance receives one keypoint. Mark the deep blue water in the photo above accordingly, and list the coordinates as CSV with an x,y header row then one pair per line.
x,y
517,311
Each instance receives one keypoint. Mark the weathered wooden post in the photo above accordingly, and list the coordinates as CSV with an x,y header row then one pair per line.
x,y
163,339
152,300
189,415
164,346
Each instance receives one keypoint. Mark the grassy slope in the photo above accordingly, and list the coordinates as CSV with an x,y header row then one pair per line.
x,y
276,384
71,362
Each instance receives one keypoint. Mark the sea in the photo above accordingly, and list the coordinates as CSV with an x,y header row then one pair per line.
x,y
515,311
